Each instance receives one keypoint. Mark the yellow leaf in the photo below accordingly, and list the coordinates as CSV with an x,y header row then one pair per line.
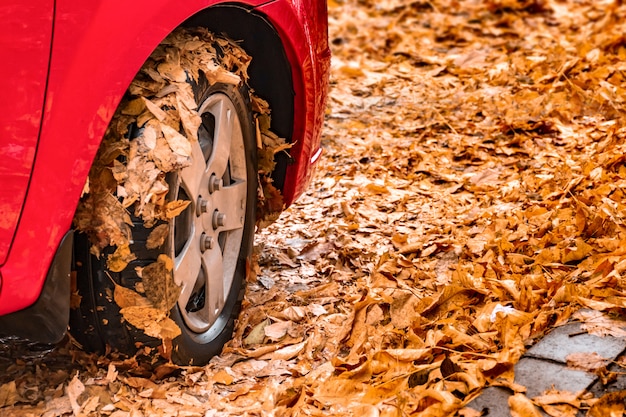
x,y
154,322
8,394
119,259
125,297
174,208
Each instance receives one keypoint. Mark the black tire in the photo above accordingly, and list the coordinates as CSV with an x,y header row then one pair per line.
x,y
98,322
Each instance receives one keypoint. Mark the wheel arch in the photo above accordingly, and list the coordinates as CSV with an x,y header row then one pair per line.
x,y
270,71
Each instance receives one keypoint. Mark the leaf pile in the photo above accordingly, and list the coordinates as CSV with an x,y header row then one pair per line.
x,y
472,198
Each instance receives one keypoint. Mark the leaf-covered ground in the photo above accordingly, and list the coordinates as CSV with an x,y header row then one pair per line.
x,y
471,197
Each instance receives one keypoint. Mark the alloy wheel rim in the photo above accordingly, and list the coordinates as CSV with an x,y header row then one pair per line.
x,y
206,239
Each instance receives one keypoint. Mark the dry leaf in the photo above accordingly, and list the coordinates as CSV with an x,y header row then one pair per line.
x,y
611,404
154,322
179,144
174,208
125,297
278,330
158,283
157,236
74,389
586,361
521,406
119,259
8,394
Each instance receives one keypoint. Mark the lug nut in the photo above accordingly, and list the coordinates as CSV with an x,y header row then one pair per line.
x,y
215,184
219,219
206,242
202,206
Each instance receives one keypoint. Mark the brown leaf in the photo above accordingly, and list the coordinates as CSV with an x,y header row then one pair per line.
x,y
610,404
599,324
586,361
74,389
179,144
419,378
278,330
154,109
448,368
158,283
157,236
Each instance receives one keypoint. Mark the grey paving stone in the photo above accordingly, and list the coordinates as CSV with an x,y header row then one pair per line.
x,y
569,339
493,402
598,389
539,375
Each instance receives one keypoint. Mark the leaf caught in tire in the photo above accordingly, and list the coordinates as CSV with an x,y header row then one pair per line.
x,y
178,143
174,208
125,297
153,321
119,259
159,285
157,236
149,140
163,110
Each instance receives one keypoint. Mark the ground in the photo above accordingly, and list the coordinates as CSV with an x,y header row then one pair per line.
x,y
469,200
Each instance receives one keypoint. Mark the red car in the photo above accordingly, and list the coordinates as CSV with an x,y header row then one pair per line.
x,y
68,66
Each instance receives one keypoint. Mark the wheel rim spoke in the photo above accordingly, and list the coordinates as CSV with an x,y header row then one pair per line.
x,y
186,270
225,118
191,176
232,201
214,267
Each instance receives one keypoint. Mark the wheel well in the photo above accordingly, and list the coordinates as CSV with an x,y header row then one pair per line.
x,y
269,71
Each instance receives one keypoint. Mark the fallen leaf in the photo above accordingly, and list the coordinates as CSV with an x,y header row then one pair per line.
x,y
610,404
278,330
8,394
119,259
157,236
521,406
74,389
586,361
154,322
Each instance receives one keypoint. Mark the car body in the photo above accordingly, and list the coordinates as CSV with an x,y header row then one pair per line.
x,y
69,64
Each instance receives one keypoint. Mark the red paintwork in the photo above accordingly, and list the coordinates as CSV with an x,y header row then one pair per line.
x,y
97,49
310,15
25,47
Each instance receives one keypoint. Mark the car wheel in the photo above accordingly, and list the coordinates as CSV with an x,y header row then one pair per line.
x,y
209,242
